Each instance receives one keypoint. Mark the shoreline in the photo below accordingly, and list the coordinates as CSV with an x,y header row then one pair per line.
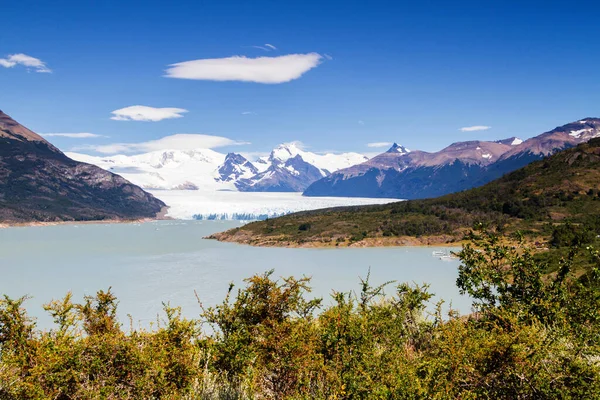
x,y
160,216
402,241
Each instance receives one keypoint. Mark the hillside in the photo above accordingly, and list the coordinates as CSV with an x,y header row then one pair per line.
x,y
561,190
40,183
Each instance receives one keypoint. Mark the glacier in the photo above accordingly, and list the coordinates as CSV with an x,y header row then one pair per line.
x,y
233,205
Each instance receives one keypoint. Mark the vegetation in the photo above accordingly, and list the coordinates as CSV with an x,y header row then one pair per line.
x,y
531,335
546,200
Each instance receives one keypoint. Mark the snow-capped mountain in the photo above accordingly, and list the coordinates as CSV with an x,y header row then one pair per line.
x,y
236,167
287,168
169,169
326,163
398,173
291,169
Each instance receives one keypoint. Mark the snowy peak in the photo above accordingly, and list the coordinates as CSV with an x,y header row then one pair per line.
x,y
396,148
235,167
284,151
511,141
327,163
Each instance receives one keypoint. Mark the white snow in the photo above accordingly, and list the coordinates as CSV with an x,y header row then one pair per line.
x,y
578,133
166,169
487,156
175,169
516,141
329,162
200,204
583,122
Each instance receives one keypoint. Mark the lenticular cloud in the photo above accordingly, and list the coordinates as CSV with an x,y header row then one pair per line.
x,y
238,68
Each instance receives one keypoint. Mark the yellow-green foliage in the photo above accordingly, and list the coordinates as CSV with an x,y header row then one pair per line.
x,y
531,336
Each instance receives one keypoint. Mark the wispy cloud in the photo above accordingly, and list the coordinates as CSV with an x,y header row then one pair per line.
x,y
260,48
249,113
475,128
266,47
327,56
180,141
239,68
82,135
145,113
379,144
26,61
361,122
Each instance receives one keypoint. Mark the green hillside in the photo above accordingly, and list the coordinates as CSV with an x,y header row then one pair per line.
x,y
556,199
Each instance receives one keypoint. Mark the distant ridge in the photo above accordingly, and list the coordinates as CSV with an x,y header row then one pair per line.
x,y
460,166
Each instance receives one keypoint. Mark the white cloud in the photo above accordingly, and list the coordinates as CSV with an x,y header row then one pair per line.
x,y
25,60
239,68
249,113
475,128
327,56
379,144
83,135
145,113
270,46
180,141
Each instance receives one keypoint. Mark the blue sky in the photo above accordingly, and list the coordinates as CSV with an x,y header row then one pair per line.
x,y
356,72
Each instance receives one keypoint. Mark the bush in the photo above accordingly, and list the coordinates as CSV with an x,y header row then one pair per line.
x,y
531,335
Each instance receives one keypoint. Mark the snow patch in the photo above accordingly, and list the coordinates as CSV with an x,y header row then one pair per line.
x,y
487,156
516,141
577,133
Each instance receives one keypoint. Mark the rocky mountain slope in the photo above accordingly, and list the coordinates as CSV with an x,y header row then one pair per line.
x,y
460,166
40,183
556,197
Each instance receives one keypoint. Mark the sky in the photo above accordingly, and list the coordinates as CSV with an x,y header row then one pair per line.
x,y
244,76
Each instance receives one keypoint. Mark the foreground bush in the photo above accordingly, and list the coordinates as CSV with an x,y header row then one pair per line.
x,y
531,336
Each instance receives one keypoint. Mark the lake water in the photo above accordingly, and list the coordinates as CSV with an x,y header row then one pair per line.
x,y
165,261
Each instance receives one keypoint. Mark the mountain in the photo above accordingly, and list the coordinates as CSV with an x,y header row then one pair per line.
x,y
40,183
286,169
460,166
536,148
168,169
290,169
400,173
235,167
554,197
291,175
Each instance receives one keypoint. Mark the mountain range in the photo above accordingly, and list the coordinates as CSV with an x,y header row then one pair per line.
x,y
400,173
557,199
396,173
288,168
40,183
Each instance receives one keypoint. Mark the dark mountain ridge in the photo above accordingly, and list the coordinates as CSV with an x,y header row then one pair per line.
x,y
40,183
